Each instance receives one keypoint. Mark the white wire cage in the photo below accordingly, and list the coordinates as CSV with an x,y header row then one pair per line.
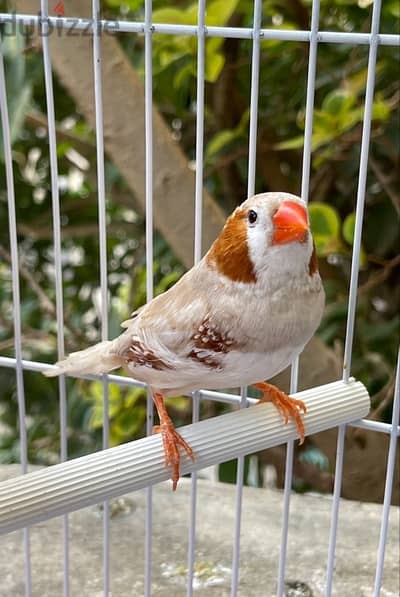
x,y
29,499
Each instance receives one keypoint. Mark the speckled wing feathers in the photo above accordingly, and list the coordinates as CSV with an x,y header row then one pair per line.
x,y
176,333
208,342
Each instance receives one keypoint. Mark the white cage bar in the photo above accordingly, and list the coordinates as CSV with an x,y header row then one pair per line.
x,y
55,198
101,476
148,28
12,224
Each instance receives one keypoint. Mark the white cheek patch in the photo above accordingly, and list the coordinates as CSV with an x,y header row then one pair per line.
x,y
259,240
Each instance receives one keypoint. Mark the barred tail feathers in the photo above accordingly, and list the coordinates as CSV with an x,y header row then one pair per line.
x,y
95,360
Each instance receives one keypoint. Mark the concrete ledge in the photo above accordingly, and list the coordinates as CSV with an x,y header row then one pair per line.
x,y
307,551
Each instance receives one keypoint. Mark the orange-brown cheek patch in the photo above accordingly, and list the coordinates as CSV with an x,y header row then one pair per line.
x,y
230,254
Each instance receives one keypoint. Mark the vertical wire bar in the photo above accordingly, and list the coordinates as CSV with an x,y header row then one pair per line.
x,y
57,266
251,183
12,224
305,183
238,509
335,509
148,32
193,508
311,75
362,180
287,492
255,76
388,484
103,262
198,229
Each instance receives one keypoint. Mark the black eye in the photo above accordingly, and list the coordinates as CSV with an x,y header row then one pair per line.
x,y
252,216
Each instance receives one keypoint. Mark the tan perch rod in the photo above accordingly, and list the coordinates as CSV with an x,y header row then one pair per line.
x,y
88,480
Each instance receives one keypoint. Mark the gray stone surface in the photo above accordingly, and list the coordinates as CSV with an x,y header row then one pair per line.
x,y
357,543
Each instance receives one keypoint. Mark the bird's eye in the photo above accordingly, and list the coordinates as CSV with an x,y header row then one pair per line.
x,y
252,216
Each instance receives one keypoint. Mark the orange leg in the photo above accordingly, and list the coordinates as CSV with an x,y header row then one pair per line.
x,y
172,441
288,407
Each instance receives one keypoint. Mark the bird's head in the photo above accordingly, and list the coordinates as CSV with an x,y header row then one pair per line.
x,y
269,233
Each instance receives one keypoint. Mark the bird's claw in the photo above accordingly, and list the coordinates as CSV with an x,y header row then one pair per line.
x,y
173,442
287,406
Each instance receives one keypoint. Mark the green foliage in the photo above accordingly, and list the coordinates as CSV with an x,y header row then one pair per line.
x,y
223,140
183,50
126,413
19,85
339,102
329,232
339,114
325,226
126,410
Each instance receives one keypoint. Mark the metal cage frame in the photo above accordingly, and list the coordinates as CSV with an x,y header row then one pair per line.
x,y
313,38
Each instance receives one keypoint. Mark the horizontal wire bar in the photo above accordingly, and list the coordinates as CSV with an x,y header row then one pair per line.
x,y
110,27
223,397
88,480
374,426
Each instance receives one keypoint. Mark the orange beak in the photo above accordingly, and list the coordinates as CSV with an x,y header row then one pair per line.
x,y
290,223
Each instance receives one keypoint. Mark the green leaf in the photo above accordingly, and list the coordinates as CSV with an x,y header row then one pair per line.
x,y
294,143
133,5
325,220
325,226
18,84
380,110
219,11
133,396
114,399
166,282
219,141
393,7
225,137
348,228
96,418
338,101
214,67
179,403
186,72
363,259
171,15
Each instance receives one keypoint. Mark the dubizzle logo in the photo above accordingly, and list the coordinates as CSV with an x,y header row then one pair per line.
x,y
59,10
57,23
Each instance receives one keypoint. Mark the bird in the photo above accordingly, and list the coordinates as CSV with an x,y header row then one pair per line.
x,y
238,317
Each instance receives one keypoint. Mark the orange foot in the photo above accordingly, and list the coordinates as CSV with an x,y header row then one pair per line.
x,y
172,442
287,406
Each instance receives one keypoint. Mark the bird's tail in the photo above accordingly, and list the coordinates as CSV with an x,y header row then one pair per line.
x,y
95,360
